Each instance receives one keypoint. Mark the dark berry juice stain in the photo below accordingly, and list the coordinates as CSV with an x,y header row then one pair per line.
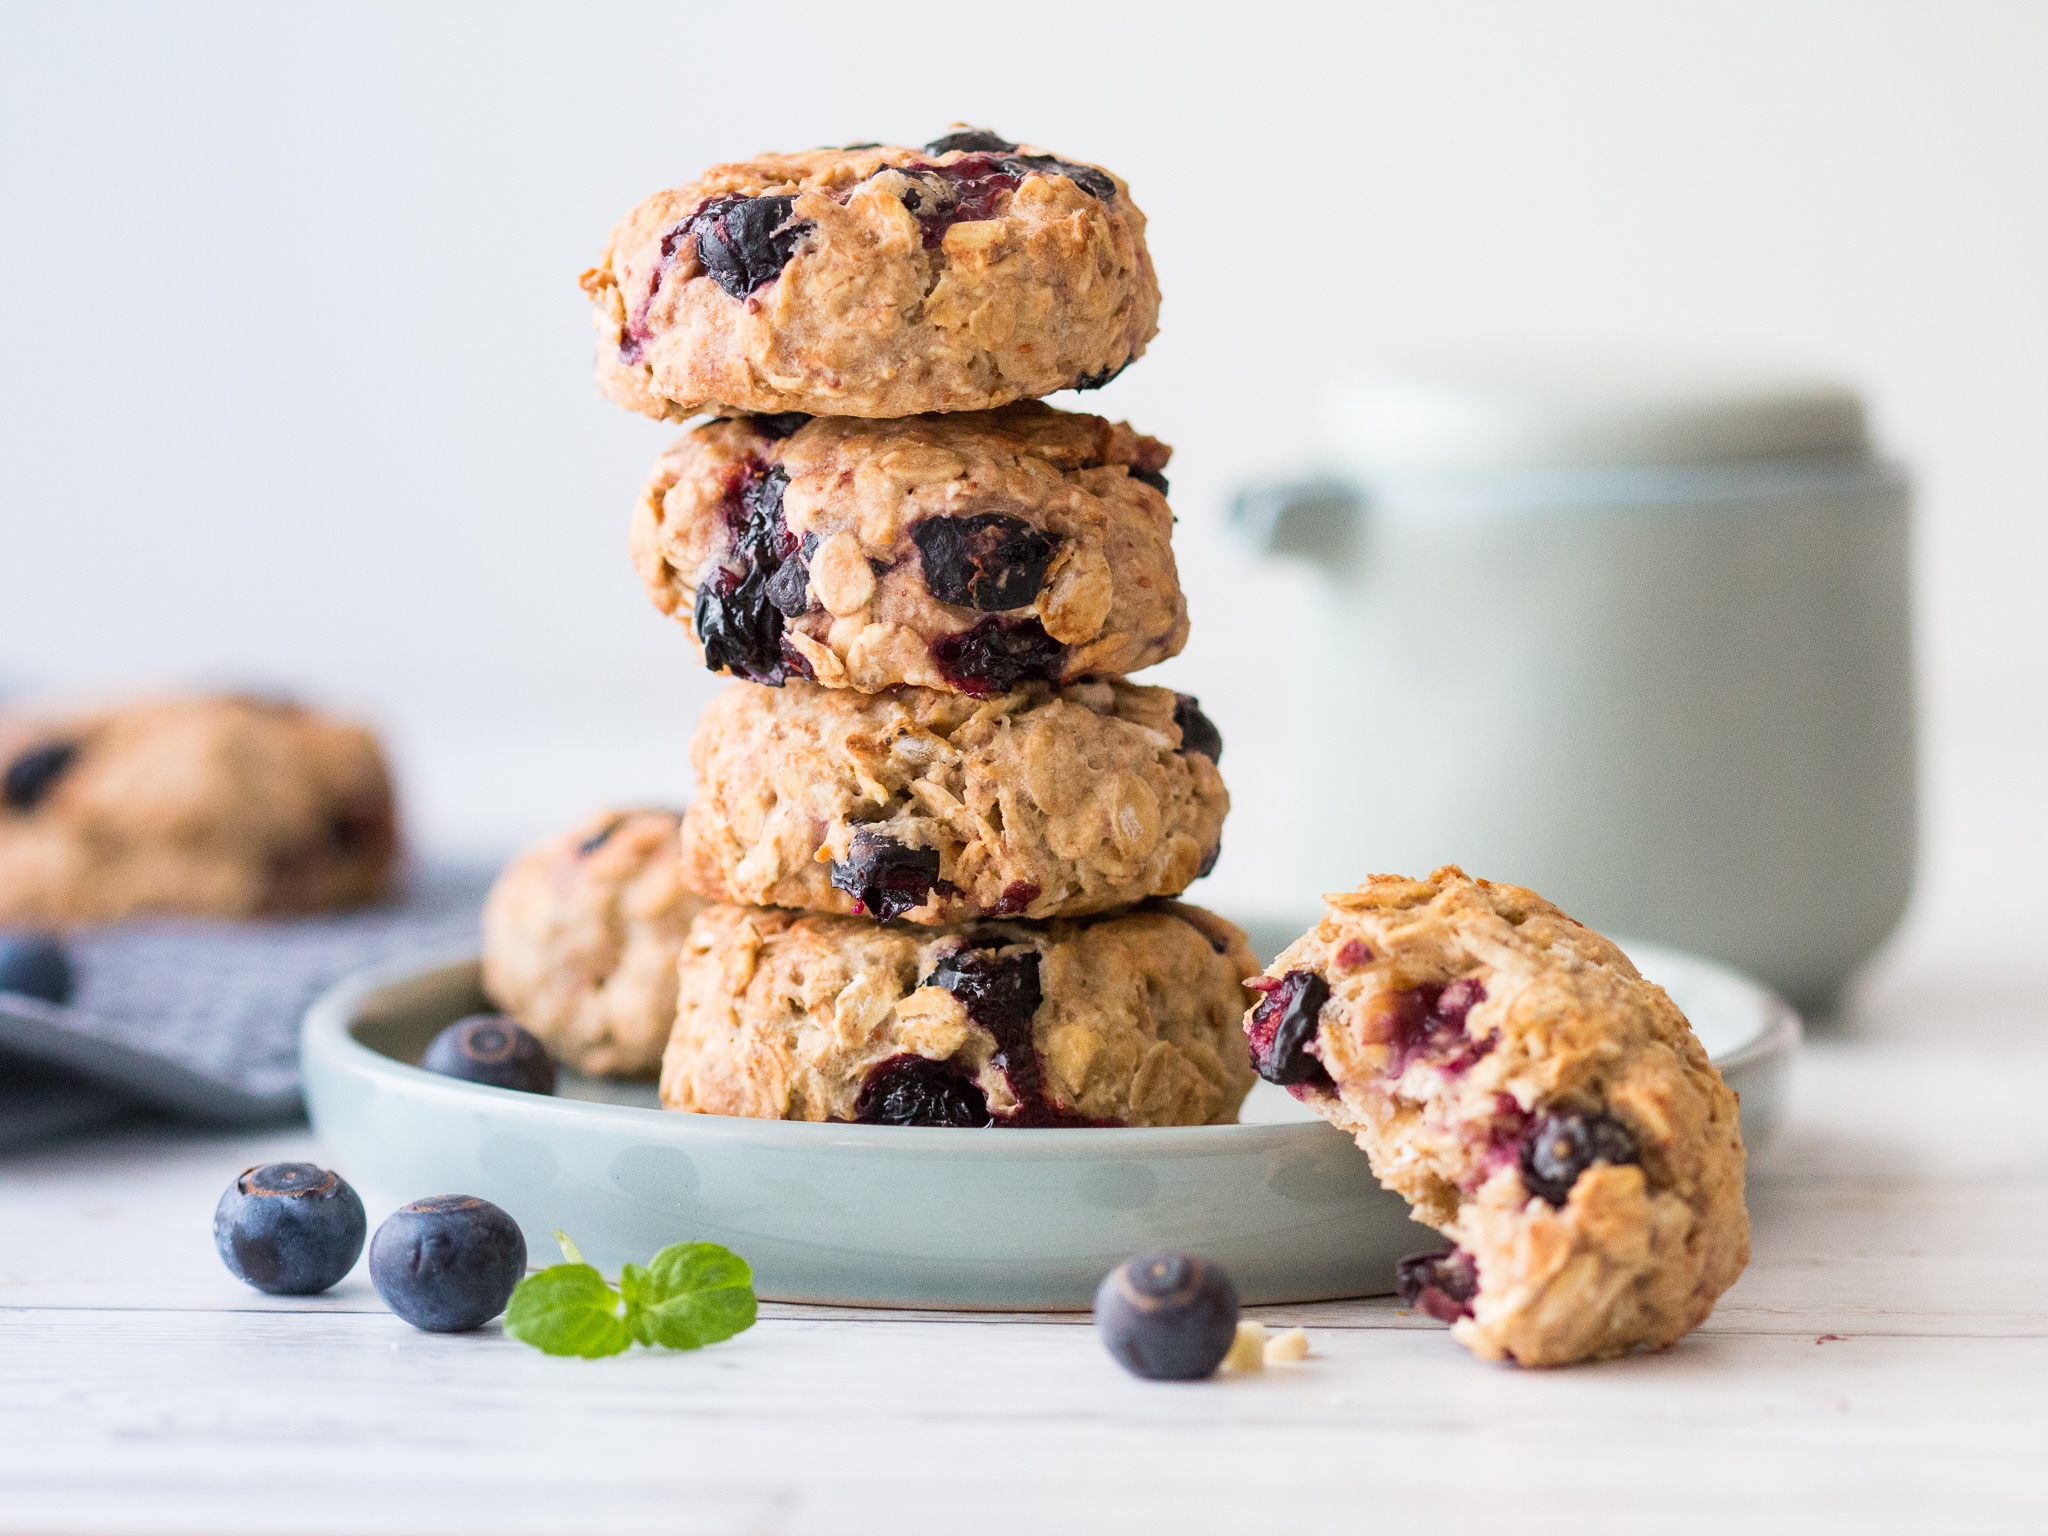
x,y
1441,1284
991,561
886,878
32,773
999,989
779,424
743,243
1198,732
1017,895
997,654
1102,376
911,1090
1427,1023
1563,1145
1151,477
975,186
1283,1027
741,604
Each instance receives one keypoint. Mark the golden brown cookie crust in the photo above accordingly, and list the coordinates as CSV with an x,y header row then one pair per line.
x,y
215,806
858,500
784,1015
1050,286
1444,1088
1039,803
581,936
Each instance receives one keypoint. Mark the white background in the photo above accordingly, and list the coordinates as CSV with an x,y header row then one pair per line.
x,y
294,372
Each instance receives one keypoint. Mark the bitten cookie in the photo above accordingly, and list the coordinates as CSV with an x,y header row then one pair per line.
x,y
1535,1099
581,936
211,806
1124,1020
970,552
937,808
874,281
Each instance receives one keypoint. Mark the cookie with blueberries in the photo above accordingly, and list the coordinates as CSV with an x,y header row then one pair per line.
x,y
581,935
970,552
1535,1099
938,808
874,280
212,806
1125,1019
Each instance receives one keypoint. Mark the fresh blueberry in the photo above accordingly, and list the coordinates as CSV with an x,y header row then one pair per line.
x,y
1151,477
745,242
974,140
447,1263
1563,1145
740,609
1441,1283
1283,1027
997,654
1167,1316
289,1229
911,1090
991,561
35,965
31,773
490,1049
1198,732
886,877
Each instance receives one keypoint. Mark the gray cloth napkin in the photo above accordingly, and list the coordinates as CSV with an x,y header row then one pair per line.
x,y
201,1018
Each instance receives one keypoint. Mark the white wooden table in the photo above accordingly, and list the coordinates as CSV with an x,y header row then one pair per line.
x,y
1883,1365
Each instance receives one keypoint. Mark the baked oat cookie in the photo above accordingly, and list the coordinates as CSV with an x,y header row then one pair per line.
x,y
1122,1020
874,280
1536,1100
938,808
581,936
216,806
971,552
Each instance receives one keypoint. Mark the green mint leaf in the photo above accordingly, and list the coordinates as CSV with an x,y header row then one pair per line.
x,y
691,1295
567,1309
570,1253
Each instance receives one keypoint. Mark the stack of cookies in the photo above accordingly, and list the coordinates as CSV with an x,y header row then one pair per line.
x,y
936,830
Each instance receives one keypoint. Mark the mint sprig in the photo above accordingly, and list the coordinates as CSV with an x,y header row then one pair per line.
x,y
687,1296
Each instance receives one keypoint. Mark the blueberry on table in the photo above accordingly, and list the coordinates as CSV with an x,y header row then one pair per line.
x,y
289,1229
35,965
447,1263
489,1048
1167,1316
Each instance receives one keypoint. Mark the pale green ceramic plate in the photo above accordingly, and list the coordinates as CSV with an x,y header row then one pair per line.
x,y
905,1216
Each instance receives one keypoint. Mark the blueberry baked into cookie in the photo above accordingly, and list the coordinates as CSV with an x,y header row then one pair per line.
x,y
581,936
938,808
217,806
874,280
1130,1019
970,552
1533,1097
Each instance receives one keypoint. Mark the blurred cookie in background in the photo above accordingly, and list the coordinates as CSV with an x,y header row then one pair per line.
x,y
581,939
205,805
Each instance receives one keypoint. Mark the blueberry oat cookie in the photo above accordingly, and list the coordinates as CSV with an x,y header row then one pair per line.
x,y
939,808
971,552
581,936
874,280
1130,1019
215,806
1536,1100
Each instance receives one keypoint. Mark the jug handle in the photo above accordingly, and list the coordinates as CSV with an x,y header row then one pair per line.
x,y
1319,519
